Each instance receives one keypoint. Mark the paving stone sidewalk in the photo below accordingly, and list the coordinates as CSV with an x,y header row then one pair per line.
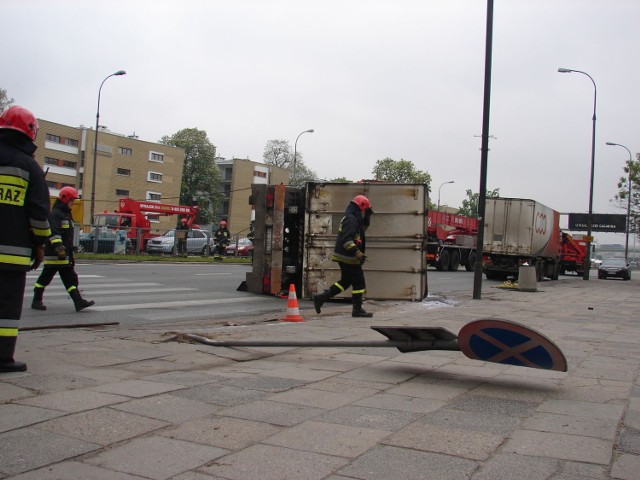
x,y
122,404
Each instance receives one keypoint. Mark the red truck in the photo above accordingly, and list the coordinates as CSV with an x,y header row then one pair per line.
x,y
132,216
574,249
451,241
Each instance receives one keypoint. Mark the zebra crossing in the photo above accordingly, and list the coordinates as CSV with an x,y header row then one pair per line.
x,y
129,300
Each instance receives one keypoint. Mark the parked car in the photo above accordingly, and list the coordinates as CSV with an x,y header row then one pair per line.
x,y
243,248
107,239
614,267
199,242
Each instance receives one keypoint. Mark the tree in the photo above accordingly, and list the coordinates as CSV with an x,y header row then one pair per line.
x,y
201,178
399,171
632,171
340,180
302,174
5,101
278,153
469,206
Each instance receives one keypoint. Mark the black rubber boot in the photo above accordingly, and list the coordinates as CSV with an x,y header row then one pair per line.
x,y
358,311
7,349
320,298
79,302
36,303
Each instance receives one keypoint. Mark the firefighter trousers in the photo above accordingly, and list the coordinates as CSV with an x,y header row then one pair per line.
x,y
12,286
67,273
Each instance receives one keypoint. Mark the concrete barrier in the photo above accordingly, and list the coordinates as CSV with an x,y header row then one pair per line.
x,y
527,279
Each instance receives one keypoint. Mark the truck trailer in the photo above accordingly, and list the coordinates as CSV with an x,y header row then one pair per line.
x,y
295,233
520,232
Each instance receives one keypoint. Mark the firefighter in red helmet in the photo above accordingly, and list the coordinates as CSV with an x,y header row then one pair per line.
x,y
349,253
59,253
24,208
182,232
222,238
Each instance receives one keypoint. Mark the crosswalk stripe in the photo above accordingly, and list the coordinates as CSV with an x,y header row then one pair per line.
x,y
88,292
181,303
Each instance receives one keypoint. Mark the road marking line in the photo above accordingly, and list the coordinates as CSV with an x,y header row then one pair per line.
x,y
183,303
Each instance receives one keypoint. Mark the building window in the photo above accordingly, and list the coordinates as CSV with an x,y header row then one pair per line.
x,y
154,196
122,193
56,162
228,173
70,142
125,151
257,173
154,177
58,185
156,157
125,172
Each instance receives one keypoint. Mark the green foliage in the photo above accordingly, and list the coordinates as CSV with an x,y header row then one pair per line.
x,y
302,173
201,178
399,171
632,171
278,153
469,206
5,101
340,180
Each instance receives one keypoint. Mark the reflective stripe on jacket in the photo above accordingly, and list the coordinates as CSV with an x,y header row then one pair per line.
x,y
24,201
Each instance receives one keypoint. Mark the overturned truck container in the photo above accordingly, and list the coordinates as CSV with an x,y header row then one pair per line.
x,y
295,231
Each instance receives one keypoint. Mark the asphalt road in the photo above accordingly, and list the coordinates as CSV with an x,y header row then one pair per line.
x,y
144,294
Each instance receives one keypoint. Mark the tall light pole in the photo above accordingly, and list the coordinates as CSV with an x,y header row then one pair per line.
x,y
626,241
95,146
295,151
445,183
587,258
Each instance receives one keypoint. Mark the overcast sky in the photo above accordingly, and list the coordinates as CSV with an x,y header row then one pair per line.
x,y
375,78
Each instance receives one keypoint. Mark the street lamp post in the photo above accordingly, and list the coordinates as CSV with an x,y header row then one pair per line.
x,y
626,241
445,183
587,258
295,152
95,146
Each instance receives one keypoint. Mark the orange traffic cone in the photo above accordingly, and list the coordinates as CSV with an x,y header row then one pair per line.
x,y
293,312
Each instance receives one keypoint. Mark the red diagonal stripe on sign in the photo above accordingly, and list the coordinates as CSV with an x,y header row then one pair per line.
x,y
508,351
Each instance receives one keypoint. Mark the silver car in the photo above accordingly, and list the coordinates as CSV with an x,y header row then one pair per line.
x,y
199,242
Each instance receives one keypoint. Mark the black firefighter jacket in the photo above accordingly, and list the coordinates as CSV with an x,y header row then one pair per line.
x,y
350,237
24,201
61,234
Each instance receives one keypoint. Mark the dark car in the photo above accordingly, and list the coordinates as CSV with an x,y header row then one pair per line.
x,y
108,240
614,267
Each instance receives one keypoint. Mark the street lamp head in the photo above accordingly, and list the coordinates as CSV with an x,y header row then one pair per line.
x,y
120,72
311,130
451,181
611,143
564,70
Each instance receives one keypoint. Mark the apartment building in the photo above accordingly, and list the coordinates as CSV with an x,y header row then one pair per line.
x,y
125,167
237,177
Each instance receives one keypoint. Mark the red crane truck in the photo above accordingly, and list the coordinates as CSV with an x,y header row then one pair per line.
x,y
132,217
574,249
451,241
